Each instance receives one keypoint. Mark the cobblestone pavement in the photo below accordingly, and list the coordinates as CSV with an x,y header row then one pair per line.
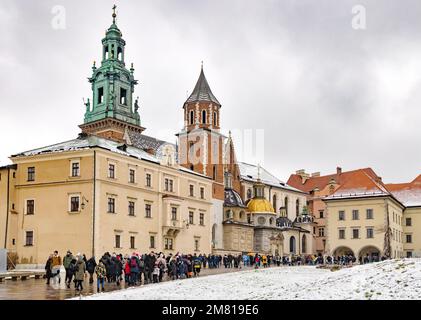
x,y
33,289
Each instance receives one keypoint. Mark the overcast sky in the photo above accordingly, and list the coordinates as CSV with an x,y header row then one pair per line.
x,y
325,94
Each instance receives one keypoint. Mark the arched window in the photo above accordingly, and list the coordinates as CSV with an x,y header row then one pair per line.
x,y
271,221
286,206
304,244
215,117
106,53
192,167
120,54
292,244
214,173
297,207
241,215
249,194
249,218
274,202
191,117
204,116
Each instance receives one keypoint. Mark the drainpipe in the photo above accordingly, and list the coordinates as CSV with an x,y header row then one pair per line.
x,y
93,208
7,207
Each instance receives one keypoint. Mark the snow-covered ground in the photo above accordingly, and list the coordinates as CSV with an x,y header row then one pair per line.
x,y
392,279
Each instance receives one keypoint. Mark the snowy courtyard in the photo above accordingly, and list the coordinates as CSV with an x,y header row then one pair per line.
x,y
392,279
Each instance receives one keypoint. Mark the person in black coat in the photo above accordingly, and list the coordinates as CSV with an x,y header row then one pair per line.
x,y
118,269
90,267
48,273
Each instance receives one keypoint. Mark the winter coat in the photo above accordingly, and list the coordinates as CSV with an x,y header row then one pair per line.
x,y
73,266
56,261
127,267
66,260
48,268
134,267
90,265
100,271
118,266
81,269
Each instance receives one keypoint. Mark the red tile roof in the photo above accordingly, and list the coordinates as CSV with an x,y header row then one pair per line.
x,y
321,182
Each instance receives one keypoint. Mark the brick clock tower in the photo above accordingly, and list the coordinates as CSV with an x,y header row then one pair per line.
x,y
112,112
201,146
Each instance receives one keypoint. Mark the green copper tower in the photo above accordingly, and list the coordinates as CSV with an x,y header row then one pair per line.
x,y
112,83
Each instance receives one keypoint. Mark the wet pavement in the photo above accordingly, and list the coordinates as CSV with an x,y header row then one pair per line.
x,y
37,289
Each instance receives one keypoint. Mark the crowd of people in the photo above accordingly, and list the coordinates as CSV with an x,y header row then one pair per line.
x,y
138,269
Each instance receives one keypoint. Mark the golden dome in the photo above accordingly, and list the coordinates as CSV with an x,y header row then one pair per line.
x,y
260,205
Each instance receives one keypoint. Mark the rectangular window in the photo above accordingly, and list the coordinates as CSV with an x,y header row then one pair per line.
x,y
321,232
341,234
75,169
196,245
341,215
132,242
409,254
191,217
111,171
355,215
168,244
171,185
408,222
173,213
409,238
152,241
355,233
191,190
29,238
123,96
148,180
132,175
321,212
74,204
31,174
202,193
370,233
117,241
111,205
148,211
100,95
202,219
369,213
30,206
131,208
166,185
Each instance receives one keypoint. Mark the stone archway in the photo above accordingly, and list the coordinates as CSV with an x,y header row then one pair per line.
x,y
369,254
343,250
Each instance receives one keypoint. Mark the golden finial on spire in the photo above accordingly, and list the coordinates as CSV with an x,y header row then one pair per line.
x,y
114,14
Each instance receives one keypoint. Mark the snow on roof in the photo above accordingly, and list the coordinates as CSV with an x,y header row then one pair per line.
x,y
89,142
249,172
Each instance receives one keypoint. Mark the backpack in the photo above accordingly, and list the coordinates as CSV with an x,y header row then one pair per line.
x,y
141,264
133,262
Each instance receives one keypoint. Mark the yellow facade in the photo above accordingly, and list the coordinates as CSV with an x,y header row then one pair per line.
x,y
92,229
365,242
412,246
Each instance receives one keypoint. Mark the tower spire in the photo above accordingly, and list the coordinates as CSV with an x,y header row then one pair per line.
x,y
114,14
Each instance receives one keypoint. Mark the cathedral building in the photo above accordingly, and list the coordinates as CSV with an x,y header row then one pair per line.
x,y
115,189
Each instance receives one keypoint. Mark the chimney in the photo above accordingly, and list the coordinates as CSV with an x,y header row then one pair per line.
x,y
315,174
304,176
338,170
